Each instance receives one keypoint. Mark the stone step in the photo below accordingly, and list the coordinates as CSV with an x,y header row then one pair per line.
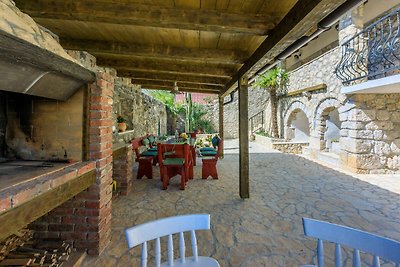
x,y
328,158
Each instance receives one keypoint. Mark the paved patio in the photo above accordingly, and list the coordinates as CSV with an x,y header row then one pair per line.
x,y
265,230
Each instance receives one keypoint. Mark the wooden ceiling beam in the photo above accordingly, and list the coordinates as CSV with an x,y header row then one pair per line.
x,y
181,89
304,15
156,51
126,13
218,81
170,84
167,67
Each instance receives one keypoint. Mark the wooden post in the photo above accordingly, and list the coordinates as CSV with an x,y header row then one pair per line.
x,y
243,138
221,122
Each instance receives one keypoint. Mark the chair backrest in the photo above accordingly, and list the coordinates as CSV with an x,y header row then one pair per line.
x,y
356,239
136,143
153,230
219,150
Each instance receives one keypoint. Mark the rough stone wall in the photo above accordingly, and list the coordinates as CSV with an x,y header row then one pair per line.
x,y
258,100
16,23
144,114
316,103
370,134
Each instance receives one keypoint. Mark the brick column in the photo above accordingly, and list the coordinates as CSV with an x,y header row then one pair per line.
x,y
97,208
122,169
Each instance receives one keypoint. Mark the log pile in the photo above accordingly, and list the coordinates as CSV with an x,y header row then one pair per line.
x,y
21,250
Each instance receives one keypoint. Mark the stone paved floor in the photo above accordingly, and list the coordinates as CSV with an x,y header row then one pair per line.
x,y
266,229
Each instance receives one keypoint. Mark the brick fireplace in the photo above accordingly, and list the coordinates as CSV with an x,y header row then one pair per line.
x,y
55,145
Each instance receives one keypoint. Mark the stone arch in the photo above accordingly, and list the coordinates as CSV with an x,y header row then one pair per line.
x,y
326,116
296,108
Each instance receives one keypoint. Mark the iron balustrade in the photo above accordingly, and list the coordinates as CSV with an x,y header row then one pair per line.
x,y
373,53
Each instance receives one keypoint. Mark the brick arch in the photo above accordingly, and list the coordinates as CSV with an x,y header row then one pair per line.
x,y
290,114
321,112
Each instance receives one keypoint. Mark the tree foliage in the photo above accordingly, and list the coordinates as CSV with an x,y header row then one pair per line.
x,y
275,81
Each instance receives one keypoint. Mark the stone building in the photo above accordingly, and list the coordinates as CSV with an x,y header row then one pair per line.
x,y
357,130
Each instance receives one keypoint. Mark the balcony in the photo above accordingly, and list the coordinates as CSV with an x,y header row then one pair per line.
x,y
370,60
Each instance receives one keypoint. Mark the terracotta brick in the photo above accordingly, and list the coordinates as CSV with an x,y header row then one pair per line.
x,y
5,203
23,196
104,122
73,219
61,227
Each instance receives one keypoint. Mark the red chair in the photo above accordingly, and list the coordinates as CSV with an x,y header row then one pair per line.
x,y
174,159
145,163
210,164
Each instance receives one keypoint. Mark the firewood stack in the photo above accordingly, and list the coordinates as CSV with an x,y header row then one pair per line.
x,y
21,250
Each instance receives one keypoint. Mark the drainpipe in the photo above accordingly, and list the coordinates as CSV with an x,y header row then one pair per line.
x,y
232,94
323,26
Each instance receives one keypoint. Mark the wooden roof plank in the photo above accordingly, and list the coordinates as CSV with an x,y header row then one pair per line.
x,y
179,78
167,67
158,51
304,15
122,12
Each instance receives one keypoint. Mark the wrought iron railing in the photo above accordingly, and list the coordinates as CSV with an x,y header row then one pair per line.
x,y
373,53
256,122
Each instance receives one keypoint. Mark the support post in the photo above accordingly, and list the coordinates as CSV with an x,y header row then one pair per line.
x,y
243,138
221,122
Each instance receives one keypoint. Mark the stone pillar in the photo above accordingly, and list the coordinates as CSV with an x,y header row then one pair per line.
x,y
244,190
370,135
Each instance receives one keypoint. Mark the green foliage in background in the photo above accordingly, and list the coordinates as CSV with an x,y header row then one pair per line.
x,y
193,113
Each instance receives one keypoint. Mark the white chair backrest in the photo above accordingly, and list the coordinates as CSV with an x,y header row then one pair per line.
x,y
140,234
358,240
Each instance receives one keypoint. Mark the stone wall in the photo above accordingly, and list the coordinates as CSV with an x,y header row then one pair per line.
x,y
143,113
370,134
16,23
258,101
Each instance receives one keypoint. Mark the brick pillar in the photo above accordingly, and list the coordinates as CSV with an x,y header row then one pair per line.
x,y
97,208
122,169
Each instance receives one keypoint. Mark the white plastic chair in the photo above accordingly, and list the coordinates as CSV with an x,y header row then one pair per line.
x,y
356,239
153,230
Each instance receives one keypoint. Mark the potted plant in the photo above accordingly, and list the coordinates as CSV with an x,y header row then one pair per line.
x,y
121,123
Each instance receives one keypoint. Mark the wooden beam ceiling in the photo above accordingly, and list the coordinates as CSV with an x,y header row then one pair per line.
x,y
170,84
181,89
219,81
193,44
303,16
171,67
156,51
127,13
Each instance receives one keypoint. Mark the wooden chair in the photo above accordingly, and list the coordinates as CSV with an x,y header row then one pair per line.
x,y
143,233
356,239
209,167
174,159
145,163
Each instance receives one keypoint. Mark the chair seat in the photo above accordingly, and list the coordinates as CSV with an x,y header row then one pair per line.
x,y
174,161
208,158
152,149
201,262
209,153
149,153
207,149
